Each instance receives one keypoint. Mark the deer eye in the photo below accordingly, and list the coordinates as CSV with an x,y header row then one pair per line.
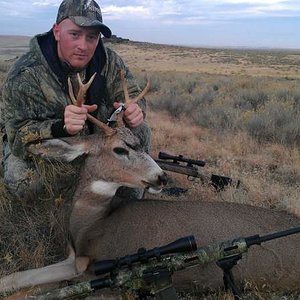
x,y
120,151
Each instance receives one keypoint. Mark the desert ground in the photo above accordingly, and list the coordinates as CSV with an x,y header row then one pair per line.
x,y
237,109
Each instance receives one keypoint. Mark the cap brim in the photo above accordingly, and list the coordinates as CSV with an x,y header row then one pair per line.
x,y
86,22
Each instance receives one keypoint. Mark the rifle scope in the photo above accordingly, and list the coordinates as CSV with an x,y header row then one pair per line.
x,y
184,244
190,162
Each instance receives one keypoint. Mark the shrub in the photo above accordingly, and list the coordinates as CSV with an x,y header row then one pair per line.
x,y
170,102
250,99
154,82
296,100
267,108
188,86
4,66
276,123
283,95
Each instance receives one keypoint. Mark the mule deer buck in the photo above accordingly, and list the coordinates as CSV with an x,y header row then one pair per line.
x,y
115,159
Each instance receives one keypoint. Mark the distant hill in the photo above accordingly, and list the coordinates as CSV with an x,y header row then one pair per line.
x,y
9,41
154,57
12,46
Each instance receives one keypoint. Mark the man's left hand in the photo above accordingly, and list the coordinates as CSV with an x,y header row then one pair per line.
x,y
133,115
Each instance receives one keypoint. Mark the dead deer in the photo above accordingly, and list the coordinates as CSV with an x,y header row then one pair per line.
x,y
114,159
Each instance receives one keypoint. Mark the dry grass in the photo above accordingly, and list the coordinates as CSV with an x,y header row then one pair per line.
x,y
269,171
162,58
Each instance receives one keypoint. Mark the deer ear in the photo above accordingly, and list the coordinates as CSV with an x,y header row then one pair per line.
x,y
58,150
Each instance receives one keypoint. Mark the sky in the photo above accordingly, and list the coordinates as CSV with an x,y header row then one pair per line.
x,y
204,23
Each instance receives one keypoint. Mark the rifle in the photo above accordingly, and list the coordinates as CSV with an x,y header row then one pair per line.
x,y
190,167
148,273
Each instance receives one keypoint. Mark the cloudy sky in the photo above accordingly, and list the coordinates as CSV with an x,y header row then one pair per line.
x,y
216,23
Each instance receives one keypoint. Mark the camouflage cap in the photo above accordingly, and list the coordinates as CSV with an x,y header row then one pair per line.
x,y
85,13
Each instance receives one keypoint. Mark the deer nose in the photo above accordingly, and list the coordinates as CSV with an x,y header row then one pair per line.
x,y
163,179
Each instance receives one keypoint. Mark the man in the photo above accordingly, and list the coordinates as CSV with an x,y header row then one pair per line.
x,y
36,104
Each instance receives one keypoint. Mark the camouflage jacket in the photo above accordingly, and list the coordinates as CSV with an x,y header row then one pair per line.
x,y
33,97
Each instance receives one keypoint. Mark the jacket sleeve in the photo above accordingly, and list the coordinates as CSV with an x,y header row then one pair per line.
x,y
114,85
25,113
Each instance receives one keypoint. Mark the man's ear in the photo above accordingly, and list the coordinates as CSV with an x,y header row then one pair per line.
x,y
56,31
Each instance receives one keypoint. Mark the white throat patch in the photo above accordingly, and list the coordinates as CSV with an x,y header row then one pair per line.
x,y
104,188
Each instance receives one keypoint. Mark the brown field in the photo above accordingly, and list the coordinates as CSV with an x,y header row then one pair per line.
x,y
162,58
239,110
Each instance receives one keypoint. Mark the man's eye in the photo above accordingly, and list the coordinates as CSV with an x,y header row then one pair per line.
x,y
92,37
74,34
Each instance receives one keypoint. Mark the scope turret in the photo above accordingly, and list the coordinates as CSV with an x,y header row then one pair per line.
x,y
181,245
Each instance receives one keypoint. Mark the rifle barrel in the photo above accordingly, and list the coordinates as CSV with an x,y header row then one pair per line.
x,y
220,250
257,240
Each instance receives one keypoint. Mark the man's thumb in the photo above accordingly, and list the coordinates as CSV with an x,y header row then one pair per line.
x,y
116,105
92,108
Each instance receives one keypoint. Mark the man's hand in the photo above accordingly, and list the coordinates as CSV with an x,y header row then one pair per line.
x,y
133,115
75,117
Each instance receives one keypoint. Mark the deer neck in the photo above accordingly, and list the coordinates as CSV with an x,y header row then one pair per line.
x,y
91,203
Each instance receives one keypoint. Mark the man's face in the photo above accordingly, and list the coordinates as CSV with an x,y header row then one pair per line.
x,y
75,45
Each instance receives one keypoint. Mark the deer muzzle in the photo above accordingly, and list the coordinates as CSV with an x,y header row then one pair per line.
x,y
155,187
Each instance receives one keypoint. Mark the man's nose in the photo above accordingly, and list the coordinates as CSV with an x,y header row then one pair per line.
x,y
82,43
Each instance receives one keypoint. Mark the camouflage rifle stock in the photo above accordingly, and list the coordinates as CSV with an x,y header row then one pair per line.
x,y
190,167
148,273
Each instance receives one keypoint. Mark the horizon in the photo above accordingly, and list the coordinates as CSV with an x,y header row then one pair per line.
x,y
233,24
246,48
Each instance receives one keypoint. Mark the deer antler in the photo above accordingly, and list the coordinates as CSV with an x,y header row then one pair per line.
x,y
129,100
79,100
108,131
125,89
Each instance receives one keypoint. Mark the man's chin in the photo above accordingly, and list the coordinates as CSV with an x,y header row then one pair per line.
x,y
79,64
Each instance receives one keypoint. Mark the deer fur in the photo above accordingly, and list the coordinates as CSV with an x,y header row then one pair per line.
x,y
98,232
111,161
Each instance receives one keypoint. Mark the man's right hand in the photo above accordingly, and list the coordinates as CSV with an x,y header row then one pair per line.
x,y
75,117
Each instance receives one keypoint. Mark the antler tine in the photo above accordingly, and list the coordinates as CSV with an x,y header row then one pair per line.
x,y
126,94
83,89
142,94
108,131
125,89
127,99
71,92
